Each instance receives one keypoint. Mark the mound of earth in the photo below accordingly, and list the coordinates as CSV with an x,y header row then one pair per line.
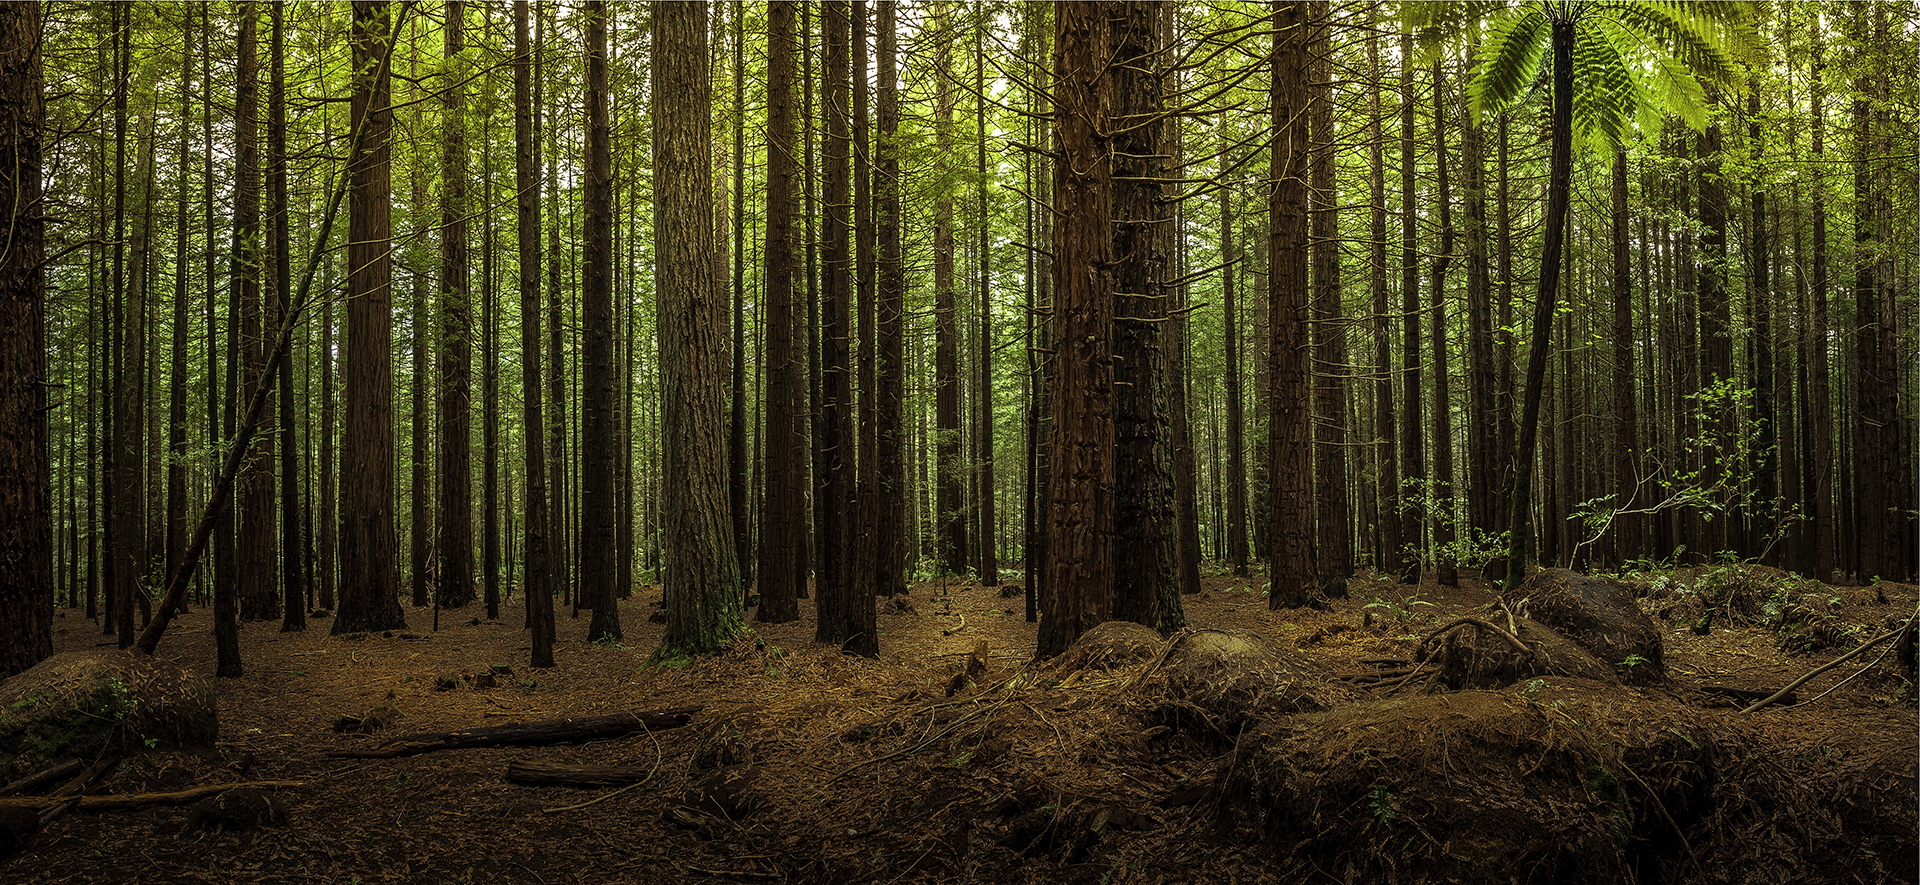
x,y
1227,678
1111,646
1572,782
1601,616
94,704
1473,656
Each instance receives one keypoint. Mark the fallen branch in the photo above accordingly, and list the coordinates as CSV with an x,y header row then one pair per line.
x,y
1484,625
138,800
42,779
546,774
1898,631
527,734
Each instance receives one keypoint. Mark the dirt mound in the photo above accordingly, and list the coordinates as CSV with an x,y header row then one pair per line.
x,y
1111,646
1564,780
1479,654
1223,679
93,704
1601,616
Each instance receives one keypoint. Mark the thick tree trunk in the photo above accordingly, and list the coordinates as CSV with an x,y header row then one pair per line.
x,y
1292,572
1144,560
702,581
1333,508
890,366
844,615
454,542
26,531
950,495
258,561
597,436
782,572
539,577
369,582
1079,572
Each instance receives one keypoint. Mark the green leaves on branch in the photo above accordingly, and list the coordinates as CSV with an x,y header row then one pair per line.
x,y
1634,61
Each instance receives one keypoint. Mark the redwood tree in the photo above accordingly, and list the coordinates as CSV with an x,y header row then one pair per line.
x,y
26,524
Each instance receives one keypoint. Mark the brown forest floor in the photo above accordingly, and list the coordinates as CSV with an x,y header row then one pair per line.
x,y
1039,778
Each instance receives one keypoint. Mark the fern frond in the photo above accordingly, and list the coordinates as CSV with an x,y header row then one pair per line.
x,y
1433,24
1516,41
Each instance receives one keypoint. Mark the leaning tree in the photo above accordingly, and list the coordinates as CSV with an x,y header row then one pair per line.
x,y
1614,64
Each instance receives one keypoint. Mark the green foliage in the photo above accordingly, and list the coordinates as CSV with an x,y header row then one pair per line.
x,y
1633,60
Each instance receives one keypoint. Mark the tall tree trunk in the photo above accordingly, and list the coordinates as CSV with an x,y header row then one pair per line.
x,y
526,173
988,545
702,582
737,484
1483,455
26,531
1386,456
1144,561
1716,321
890,367
177,455
1765,452
1079,572
1292,571
1412,447
454,543
1559,173
1441,488
1335,540
1628,539
596,324
950,498
782,572
369,597
841,610
864,568
292,549
1236,479
258,566
1822,490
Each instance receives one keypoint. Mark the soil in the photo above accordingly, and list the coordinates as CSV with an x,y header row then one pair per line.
x,y
954,758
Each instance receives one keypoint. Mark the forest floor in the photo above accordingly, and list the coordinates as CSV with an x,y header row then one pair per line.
x,y
953,758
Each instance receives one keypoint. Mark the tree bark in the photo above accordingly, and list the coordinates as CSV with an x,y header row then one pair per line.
x,y
1387,559
597,436
950,497
1079,572
1334,519
454,544
1441,489
292,546
782,572
369,597
26,531
702,581
539,579
1292,572
1144,561
1412,447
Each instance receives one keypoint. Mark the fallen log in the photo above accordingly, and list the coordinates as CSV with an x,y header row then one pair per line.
x,y
544,774
42,779
528,734
136,800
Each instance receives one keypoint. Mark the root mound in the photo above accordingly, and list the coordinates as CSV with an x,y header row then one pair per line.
x,y
1227,678
93,704
1471,657
1600,615
1111,646
1474,787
